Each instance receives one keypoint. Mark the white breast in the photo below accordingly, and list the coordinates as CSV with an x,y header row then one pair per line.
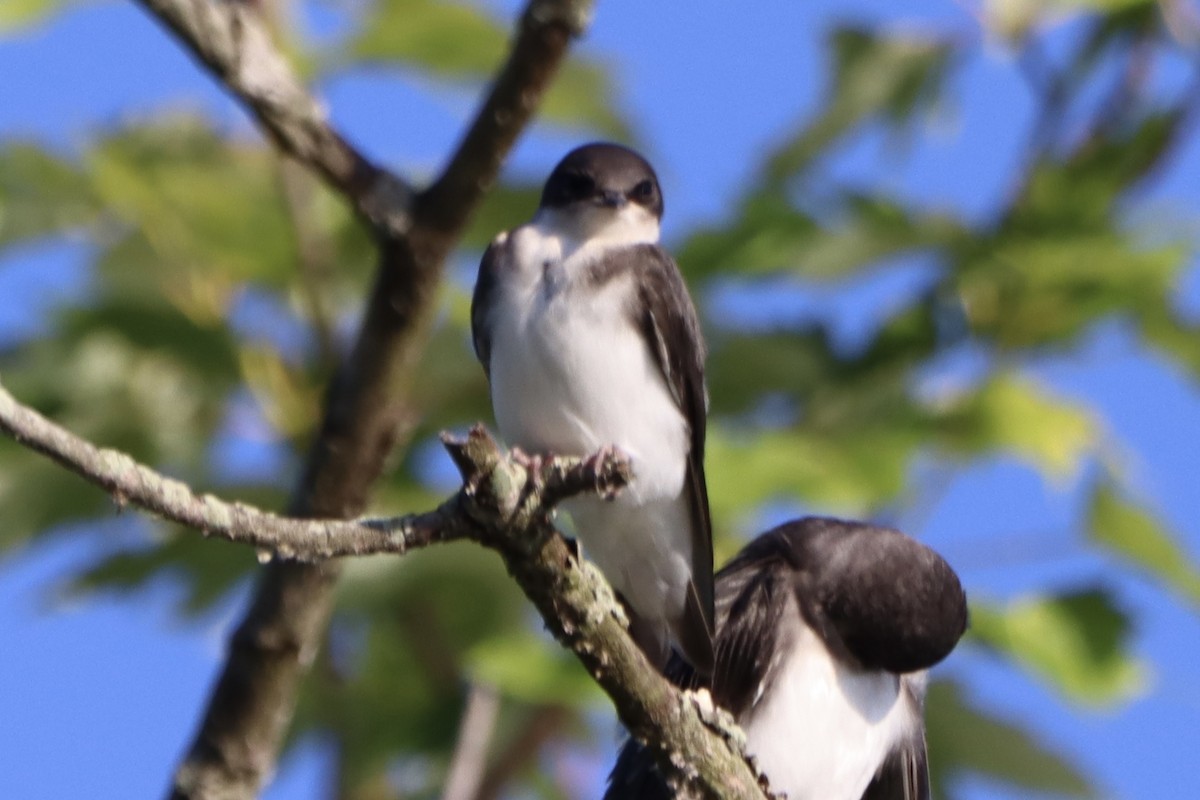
x,y
823,730
571,373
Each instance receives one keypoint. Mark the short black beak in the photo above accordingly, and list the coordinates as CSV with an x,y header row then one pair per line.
x,y
611,199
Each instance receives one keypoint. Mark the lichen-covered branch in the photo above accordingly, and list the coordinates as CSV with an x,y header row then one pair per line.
x,y
129,482
501,506
298,539
698,747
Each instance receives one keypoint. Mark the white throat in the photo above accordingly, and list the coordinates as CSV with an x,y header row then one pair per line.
x,y
597,227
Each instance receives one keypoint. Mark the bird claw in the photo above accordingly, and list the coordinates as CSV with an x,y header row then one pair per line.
x,y
532,463
596,463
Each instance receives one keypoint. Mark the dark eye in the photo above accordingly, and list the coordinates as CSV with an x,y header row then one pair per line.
x,y
643,192
580,185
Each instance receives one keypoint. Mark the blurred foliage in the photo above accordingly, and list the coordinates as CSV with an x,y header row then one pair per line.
x,y
196,235
963,738
1078,640
1135,533
17,14
458,42
40,193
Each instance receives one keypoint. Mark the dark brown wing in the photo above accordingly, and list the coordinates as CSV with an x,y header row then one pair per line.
x,y
635,776
664,311
753,596
904,775
481,300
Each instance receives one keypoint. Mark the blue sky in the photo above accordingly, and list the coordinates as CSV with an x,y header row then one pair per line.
x,y
98,699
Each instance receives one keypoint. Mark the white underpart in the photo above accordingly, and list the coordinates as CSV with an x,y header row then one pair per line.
x,y
570,374
823,730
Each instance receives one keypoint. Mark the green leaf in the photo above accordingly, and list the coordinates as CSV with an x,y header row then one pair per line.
x,y
870,228
37,495
386,692
1013,19
1136,535
1078,642
1015,414
17,14
1046,289
41,194
144,403
287,399
848,471
447,39
855,231
453,391
206,571
769,235
964,738
504,207
1103,6
533,670
583,95
460,588
211,212
402,635
206,350
458,42
1081,192
893,77
744,369
1178,340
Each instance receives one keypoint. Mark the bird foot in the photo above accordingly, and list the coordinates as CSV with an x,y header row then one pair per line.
x,y
596,463
532,463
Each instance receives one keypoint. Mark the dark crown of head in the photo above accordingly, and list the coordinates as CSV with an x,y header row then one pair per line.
x,y
603,174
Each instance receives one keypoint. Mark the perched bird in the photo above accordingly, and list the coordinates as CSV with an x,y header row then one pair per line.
x,y
590,341
824,630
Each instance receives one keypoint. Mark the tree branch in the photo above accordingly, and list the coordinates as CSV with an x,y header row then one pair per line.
x,y
310,540
521,748
502,506
233,42
129,482
699,748
366,417
543,35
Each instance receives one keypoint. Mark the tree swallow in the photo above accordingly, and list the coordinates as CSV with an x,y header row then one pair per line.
x,y
824,631
590,341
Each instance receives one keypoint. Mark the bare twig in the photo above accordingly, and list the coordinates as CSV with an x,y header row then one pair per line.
x,y
543,724
475,731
